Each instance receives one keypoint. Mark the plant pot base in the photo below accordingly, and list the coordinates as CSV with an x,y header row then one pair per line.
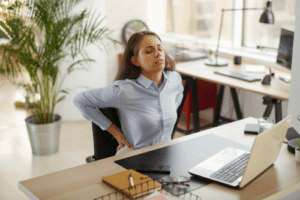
x,y
44,138
44,152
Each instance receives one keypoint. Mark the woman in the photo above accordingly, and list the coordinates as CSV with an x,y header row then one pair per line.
x,y
146,92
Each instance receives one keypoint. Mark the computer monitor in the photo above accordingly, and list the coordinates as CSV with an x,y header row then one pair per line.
x,y
285,49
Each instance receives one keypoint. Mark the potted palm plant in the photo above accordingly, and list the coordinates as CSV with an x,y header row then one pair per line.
x,y
44,36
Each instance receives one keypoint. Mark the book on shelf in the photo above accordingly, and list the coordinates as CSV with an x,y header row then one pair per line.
x,y
143,184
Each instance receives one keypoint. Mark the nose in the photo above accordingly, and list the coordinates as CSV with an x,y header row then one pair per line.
x,y
158,53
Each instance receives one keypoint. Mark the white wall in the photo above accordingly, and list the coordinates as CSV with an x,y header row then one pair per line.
x,y
294,100
95,77
157,17
119,12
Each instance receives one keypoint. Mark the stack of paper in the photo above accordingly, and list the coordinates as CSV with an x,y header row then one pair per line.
x,y
255,68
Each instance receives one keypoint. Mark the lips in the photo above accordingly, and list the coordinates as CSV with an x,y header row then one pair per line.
x,y
159,61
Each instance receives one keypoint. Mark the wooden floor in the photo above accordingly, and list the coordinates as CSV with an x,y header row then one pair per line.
x,y
16,160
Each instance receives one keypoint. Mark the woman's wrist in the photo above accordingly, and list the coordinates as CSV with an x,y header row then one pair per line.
x,y
118,135
113,129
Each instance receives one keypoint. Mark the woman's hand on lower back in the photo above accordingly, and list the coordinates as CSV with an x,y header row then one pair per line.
x,y
119,136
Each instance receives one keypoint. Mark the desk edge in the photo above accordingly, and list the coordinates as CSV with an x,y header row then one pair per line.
x,y
26,192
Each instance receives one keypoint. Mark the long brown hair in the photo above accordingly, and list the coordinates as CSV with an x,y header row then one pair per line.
x,y
127,69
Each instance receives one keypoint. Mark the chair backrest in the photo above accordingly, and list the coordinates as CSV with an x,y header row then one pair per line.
x,y
105,145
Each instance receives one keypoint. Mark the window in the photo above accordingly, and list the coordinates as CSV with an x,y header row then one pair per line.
x,y
204,25
199,18
202,18
265,35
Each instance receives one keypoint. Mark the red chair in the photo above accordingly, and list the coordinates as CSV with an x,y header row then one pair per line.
x,y
207,98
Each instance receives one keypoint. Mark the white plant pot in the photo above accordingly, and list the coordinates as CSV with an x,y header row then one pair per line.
x,y
297,155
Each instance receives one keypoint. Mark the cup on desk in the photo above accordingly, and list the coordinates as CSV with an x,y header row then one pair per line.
x,y
237,60
264,124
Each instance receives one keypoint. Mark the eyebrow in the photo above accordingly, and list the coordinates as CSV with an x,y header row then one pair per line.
x,y
152,46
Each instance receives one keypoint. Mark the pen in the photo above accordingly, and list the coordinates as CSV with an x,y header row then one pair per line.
x,y
131,180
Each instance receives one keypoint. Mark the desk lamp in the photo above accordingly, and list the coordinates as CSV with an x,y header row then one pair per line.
x,y
267,17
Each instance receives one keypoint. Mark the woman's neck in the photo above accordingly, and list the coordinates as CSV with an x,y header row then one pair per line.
x,y
156,78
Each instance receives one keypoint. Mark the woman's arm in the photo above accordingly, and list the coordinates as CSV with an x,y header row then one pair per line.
x,y
89,102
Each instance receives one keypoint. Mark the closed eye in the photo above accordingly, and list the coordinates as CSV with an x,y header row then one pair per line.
x,y
150,48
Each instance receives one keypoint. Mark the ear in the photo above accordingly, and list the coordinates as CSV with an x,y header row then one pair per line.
x,y
135,61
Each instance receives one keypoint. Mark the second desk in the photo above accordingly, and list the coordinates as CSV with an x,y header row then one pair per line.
x,y
274,93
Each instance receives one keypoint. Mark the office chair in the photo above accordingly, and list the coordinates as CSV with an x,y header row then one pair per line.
x,y
105,145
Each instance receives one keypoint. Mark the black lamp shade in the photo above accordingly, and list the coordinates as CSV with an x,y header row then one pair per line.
x,y
267,17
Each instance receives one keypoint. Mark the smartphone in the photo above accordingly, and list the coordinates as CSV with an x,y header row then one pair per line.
x,y
157,168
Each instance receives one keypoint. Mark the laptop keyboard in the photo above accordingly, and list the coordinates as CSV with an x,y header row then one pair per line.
x,y
237,75
233,170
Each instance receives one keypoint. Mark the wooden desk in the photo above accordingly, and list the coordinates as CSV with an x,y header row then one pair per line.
x,y
274,93
84,182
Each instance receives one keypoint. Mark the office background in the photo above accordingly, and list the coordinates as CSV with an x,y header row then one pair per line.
x,y
155,14
77,141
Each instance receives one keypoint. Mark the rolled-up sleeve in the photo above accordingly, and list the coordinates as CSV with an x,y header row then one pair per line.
x,y
89,102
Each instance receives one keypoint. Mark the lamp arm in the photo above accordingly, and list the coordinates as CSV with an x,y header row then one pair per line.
x,y
242,9
220,30
221,24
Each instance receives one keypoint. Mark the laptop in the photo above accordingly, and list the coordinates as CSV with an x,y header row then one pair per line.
x,y
235,167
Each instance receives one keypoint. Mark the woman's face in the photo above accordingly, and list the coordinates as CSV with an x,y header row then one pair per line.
x,y
151,56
